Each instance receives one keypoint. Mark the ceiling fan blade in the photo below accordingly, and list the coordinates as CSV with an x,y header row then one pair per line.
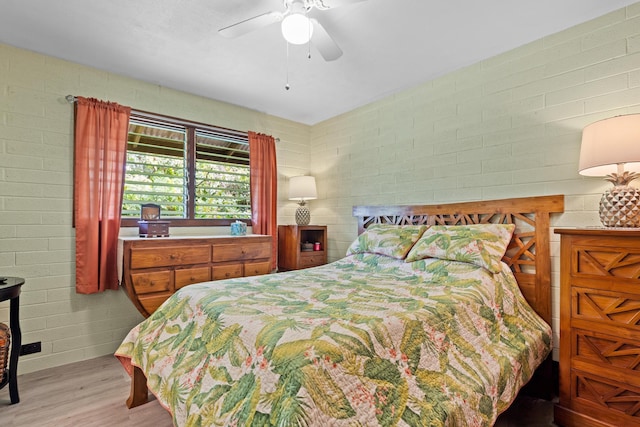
x,y
330,4
327,47
251,24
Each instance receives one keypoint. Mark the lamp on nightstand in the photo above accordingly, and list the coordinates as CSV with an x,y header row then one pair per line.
x,y
611,148
302,188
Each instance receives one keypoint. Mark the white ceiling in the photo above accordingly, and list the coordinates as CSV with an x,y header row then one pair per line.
x,y
389,45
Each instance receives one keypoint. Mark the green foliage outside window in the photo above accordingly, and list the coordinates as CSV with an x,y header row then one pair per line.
x,y
158,171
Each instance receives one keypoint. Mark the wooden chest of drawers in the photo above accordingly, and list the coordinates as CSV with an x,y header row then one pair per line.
x,y
599,328
153,269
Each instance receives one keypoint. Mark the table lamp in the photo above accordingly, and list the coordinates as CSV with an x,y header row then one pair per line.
x,y
611,148
302,188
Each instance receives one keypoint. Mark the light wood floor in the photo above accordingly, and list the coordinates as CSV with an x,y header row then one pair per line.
x,y
88,393
93,393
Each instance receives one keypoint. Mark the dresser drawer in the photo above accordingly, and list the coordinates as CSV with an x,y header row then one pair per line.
x,y
226,271
592,261
241,252
257,268
169,256
189,276
599,352
606,307
593,394
152,281
311,259
151,302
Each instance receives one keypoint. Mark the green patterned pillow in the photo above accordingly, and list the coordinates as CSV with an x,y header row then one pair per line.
x,y
386,239
481,244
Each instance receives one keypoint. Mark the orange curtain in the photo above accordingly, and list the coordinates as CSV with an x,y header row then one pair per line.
x,y
264,188
100,147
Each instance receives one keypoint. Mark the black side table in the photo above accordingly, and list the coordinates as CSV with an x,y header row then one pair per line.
x,y
10,290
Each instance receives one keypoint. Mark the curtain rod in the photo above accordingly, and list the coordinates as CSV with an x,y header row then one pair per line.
x,y
71,99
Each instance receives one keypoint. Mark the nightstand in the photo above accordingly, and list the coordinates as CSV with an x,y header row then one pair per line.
x,y
292,255
599,328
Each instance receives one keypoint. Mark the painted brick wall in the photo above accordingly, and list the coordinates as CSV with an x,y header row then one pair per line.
x,y
36,154
509,126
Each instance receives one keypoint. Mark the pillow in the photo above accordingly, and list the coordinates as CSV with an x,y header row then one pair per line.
x,y
387,239
481,244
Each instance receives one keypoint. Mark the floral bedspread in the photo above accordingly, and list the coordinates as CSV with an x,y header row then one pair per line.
x,y
364,341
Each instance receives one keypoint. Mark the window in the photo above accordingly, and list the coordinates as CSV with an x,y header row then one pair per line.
x,y
198,174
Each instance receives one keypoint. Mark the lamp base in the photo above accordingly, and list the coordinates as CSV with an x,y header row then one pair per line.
x,y
620,207
303,216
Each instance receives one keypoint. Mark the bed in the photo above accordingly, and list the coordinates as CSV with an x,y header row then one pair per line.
x,y
437,315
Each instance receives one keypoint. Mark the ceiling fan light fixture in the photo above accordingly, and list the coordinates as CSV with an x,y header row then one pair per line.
x,y
297,28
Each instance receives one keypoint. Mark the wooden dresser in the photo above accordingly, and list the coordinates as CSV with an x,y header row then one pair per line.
x,y
599,328
153,269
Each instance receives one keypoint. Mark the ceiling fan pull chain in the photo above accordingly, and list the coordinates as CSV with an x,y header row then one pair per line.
x,y
309,42
286,86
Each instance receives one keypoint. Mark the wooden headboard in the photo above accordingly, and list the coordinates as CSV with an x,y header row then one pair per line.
x,y
528,255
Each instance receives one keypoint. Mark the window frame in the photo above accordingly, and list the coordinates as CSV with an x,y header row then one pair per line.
x,y
190,156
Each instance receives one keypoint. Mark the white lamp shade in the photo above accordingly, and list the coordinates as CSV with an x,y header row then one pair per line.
x,y
297,28
302,188
608,143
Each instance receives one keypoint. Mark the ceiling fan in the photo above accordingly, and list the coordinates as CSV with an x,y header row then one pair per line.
x,y
297,27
